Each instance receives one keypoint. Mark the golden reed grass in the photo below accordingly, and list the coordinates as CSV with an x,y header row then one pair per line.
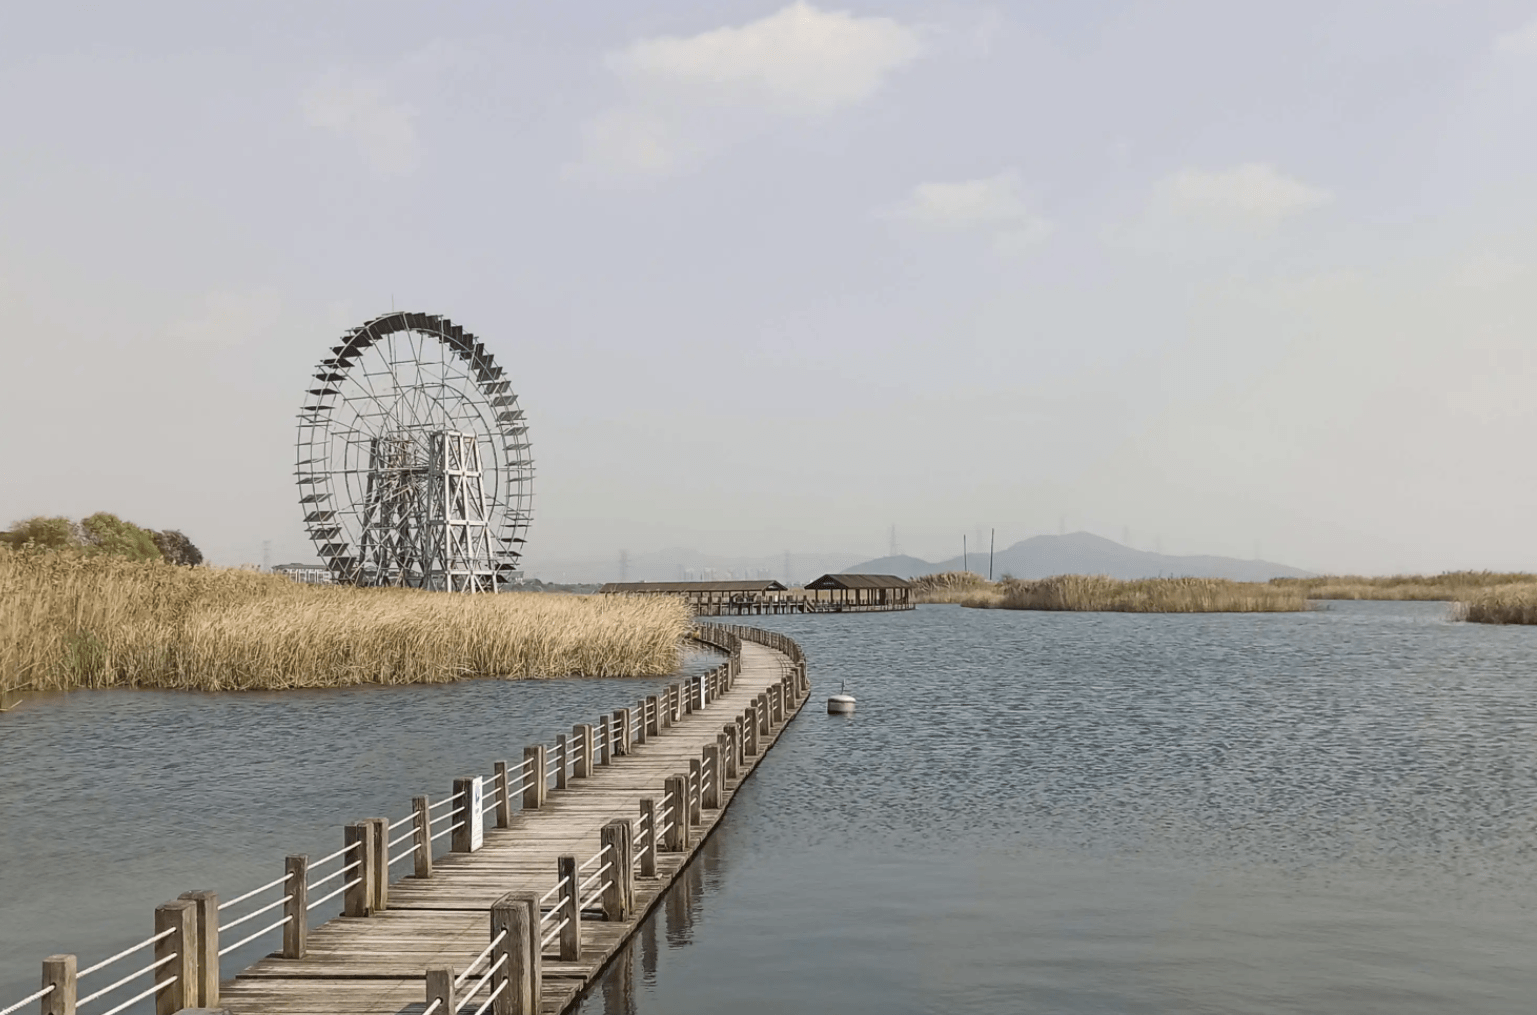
x,y
68,621
1147,595
948,587
1451,586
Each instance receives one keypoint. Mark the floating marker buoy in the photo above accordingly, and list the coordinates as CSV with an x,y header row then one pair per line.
x,y
840,703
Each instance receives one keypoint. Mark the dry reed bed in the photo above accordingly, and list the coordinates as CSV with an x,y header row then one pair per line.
x,y
68,622
1148,595
948,587
1451,586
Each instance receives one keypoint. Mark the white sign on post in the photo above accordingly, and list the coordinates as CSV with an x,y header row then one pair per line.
x,y
477,806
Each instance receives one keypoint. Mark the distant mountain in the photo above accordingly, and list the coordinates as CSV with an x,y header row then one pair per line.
x,y
1083,553
683,564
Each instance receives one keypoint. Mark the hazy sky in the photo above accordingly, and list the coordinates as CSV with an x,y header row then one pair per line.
x,y
1225,276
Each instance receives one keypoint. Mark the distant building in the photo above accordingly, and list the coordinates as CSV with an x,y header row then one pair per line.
x,y
309,574
867,591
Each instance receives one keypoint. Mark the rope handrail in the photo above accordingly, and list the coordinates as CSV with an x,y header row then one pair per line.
x,y
595,874
253,914
481,983
446,817
332,895
595,896
396,824
469,970
446,800
157,988
252,937
29,999
558,886
595,858
395,842
336,873
554,933
241,898
445,831
643,851
494,994
332,856
433,1006
131,976
396,859
125,952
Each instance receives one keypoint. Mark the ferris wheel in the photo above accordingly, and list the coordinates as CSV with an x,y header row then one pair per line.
x,y
413,459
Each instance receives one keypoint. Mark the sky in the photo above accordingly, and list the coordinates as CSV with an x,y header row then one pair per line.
x,y
1205,277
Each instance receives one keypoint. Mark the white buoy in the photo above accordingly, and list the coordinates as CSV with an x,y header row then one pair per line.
x,y
840,703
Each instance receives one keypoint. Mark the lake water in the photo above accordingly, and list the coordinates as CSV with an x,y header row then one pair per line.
x,y
1030,812
1324,812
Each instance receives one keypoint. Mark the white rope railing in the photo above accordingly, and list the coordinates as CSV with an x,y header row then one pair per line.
x,y
332,856
595,874
401,856
125,953
38,996
436,1002
336,873
558,886
494,995
129,978
157,988
324,898
595,858
552,935
252,937
499,963
253,914
255,891
469,970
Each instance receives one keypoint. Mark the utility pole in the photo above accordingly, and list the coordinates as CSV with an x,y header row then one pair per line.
x,y
965,560
992,540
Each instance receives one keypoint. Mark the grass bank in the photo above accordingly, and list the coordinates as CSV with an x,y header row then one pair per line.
x,y
1147,595
69,621
1453,586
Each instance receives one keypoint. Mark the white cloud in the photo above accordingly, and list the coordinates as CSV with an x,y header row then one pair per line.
x,y
229,317
1522,41
686,95
994,204
360,108
1253,195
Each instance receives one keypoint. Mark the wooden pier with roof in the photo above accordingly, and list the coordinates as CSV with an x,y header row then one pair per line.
x,y
831,593
512,919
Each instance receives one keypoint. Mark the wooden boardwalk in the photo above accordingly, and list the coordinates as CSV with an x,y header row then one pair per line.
x,y
377,963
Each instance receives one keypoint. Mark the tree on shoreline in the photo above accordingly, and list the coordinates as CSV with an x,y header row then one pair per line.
x,y
103,533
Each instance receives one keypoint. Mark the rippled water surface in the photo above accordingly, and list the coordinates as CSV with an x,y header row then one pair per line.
x,y
1030,812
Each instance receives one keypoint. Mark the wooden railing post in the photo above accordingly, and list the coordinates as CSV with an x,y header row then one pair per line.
x,y
562,761
503,795
776,704
675,704
677,838
59,973
622,721
421,832
296,930
686,696
605,731
355,900
379,833
652,719
615,836
538,782
205,918
570,909
695,790
712,772
467,813
440,988
649,843
581,738
764,728
181,917
517,914
750,730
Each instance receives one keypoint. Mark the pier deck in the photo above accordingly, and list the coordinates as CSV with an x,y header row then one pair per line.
x,y
377,963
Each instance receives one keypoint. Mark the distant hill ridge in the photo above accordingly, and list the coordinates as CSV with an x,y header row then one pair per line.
x,y
1085,553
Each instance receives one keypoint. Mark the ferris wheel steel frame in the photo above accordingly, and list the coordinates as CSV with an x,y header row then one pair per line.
x,y
413,459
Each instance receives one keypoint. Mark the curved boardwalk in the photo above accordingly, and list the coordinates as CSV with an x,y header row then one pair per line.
x,y
378,963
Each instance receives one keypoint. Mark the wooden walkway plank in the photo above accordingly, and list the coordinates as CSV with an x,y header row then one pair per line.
x,y
377,964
